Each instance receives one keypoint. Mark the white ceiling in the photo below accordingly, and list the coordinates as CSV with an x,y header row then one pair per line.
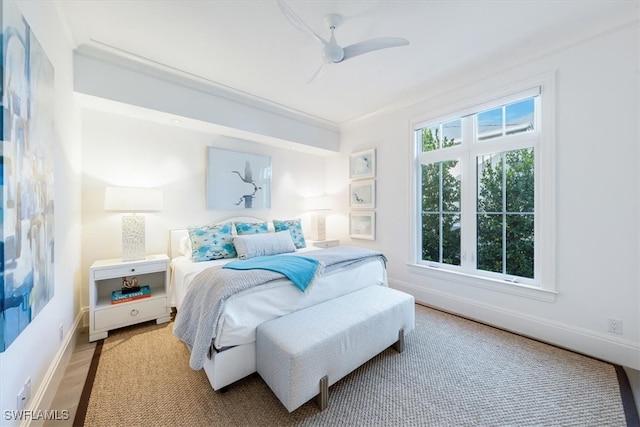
x,y
249,46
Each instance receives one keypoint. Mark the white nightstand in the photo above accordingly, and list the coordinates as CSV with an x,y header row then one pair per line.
x,y
105,276
325,243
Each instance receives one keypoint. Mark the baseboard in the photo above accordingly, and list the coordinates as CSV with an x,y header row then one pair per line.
x,y
45,394
85,316
612,349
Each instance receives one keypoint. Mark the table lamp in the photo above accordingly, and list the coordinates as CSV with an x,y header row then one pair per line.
x,y
133,200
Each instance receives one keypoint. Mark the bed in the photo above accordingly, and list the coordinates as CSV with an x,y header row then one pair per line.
x,y
232,353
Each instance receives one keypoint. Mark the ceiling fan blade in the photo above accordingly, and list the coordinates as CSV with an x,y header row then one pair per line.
x,y
318,73
299,23
373,44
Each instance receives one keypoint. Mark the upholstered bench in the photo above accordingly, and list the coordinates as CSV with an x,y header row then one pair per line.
x,y
301,354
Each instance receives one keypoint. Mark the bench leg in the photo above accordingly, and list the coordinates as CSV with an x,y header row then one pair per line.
x,y
399,345
323,396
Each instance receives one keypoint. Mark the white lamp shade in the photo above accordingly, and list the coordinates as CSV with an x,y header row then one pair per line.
x,y
317,203
132,199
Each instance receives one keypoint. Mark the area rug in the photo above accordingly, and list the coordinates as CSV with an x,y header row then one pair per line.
x,y
453,372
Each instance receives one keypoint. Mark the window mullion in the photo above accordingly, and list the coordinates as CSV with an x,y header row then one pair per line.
x,y
467,200
504,212
440,216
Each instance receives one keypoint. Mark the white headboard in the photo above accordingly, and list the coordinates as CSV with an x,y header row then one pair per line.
x,y
176,235
174,241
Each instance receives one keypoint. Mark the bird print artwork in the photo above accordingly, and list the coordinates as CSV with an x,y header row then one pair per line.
x,y
363,165
248,178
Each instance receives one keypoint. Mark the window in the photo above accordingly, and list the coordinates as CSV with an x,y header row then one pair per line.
x,y
505,213
479,204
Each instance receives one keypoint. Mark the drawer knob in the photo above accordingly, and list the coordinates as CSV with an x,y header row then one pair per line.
x,y
133,269
134,312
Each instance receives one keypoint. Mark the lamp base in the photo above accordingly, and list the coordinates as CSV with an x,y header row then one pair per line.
x,y
318,226
133,244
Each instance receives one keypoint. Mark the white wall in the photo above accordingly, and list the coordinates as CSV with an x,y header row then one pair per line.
x,y
36,350
597,184
124,151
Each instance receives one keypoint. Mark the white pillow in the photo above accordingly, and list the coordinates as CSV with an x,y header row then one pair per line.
x,y
185,246
253,245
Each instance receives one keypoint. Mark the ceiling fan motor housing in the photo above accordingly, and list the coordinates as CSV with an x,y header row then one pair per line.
x,y
332,52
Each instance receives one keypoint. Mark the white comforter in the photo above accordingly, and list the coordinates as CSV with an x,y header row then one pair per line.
x,y
200,315
245,311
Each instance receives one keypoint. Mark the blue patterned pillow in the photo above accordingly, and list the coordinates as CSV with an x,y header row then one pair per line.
x,y
295,228
251,227
212,242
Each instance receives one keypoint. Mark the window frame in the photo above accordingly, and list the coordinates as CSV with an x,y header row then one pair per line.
x,y
543,286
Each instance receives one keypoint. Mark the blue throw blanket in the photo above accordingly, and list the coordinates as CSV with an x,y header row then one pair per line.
x,y
300,270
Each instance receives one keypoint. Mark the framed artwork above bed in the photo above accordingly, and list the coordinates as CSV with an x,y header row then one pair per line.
x,y
237,180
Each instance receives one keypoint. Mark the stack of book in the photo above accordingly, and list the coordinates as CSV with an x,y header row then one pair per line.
x,y
118,297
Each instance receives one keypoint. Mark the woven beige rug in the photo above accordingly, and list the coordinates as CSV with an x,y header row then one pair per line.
x,y
453,372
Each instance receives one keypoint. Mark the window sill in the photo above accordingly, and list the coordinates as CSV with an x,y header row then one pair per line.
x,y
517,289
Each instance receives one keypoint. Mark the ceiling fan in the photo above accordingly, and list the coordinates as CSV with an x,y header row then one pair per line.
x,y
332,52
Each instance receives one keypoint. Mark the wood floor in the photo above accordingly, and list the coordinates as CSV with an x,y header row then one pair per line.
x,y
68,394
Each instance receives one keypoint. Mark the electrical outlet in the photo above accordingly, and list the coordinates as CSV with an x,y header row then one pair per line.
x,y
24,395
22,400
61,332
615,325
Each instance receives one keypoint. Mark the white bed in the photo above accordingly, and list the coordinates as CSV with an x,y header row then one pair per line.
x,y
234,355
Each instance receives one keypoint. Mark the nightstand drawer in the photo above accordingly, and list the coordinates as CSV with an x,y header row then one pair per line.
x,y
128,270
129,313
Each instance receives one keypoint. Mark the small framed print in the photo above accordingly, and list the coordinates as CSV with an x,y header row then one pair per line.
x,y
362,225
362,194
362,164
